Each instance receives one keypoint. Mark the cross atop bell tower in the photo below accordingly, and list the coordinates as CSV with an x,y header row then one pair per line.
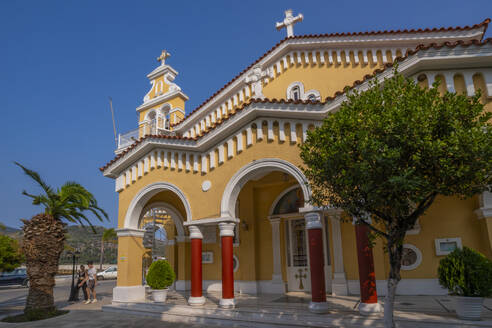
x,y
162,58
289,22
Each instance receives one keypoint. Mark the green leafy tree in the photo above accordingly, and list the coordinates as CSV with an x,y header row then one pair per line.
x,y
10,256
161,275
108,236
390,151
44,235
466,272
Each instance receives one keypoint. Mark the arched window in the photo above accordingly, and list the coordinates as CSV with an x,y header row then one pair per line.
x,y
290,202
295,93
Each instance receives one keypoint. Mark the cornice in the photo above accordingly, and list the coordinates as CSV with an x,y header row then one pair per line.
x,y
162,98
400,38
161,70
413,62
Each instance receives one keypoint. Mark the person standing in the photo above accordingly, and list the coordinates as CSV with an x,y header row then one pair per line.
x,y
91,279
81,282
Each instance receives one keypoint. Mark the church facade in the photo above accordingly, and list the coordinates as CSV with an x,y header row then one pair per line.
x,y
224,183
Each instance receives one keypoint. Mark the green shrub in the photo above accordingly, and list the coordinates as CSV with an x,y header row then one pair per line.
x,y
160,275
466,272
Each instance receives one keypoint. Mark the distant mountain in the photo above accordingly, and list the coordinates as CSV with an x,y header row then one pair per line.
x,y
78,238
9,231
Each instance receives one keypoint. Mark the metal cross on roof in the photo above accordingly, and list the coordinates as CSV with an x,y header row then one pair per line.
x,y
162,58
289,22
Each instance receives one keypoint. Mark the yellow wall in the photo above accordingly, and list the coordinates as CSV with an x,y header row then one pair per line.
x,y
130,253
327,79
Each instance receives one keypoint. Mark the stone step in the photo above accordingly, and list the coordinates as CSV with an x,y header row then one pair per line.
x,y
243,317
279,316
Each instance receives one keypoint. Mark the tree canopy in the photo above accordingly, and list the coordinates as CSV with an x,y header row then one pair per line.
x,y
389,151
69,202
10,255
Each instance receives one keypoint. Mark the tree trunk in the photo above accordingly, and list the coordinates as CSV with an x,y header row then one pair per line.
x,y
395,251
102,255
42,246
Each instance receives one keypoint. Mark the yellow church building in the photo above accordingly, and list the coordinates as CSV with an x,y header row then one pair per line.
x,y
224,181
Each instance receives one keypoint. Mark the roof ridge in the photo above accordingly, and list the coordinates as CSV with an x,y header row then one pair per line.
x,y
290,101
485,23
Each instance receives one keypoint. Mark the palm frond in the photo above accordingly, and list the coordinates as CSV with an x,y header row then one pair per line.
x,y
36,177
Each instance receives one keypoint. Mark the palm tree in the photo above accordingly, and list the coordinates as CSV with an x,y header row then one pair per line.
x,y
44,235
108,236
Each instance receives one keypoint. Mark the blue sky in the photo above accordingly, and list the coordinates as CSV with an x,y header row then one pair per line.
x,y
60,60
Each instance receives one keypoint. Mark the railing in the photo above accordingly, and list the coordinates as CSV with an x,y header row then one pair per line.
x,y
126,139
150,127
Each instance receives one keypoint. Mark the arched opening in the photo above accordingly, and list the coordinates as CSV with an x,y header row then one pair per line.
x,y
163,226
265,198
162,206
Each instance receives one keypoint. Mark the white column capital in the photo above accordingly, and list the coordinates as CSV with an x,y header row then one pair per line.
x,y
195,232
485,203
313,220
274,220
129,232
226,229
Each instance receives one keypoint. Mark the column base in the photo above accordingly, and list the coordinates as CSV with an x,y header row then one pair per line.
x,y
318,307
227,303
196,301
370,308
129,294
339,285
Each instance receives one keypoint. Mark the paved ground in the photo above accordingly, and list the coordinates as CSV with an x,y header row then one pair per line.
x,y
412,311
12,300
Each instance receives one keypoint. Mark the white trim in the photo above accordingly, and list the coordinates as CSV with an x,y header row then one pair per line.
x,y
418,261
138,202
162,98
252,287
249,172
196,301
485,202
130,232
319,307
444,58
370,308
211,221
438,242
129,294
345,42
195,232
226,229
291,86
405,287
235,267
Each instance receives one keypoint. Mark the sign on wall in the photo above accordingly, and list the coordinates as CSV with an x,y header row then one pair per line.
x,y
207,257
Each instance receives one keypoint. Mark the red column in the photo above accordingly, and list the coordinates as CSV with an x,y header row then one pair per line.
x,y
196,267
226,236
316,263
367,277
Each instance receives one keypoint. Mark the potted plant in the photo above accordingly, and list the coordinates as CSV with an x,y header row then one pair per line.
x,y
467,275
159,278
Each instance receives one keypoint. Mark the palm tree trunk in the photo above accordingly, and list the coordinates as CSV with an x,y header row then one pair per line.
x,y
42,245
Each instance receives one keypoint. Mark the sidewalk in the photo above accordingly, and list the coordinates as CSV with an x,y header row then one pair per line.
x,y
252,311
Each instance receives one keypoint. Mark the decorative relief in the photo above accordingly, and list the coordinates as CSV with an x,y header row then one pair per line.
x,y
206,185
255,80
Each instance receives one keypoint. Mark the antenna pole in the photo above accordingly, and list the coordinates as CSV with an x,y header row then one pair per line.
x,y
114,125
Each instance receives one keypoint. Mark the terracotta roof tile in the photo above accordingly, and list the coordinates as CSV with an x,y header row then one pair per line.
x,y
306,102
426,30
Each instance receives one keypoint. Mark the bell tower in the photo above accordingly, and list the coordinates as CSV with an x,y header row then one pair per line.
x,y
164,104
